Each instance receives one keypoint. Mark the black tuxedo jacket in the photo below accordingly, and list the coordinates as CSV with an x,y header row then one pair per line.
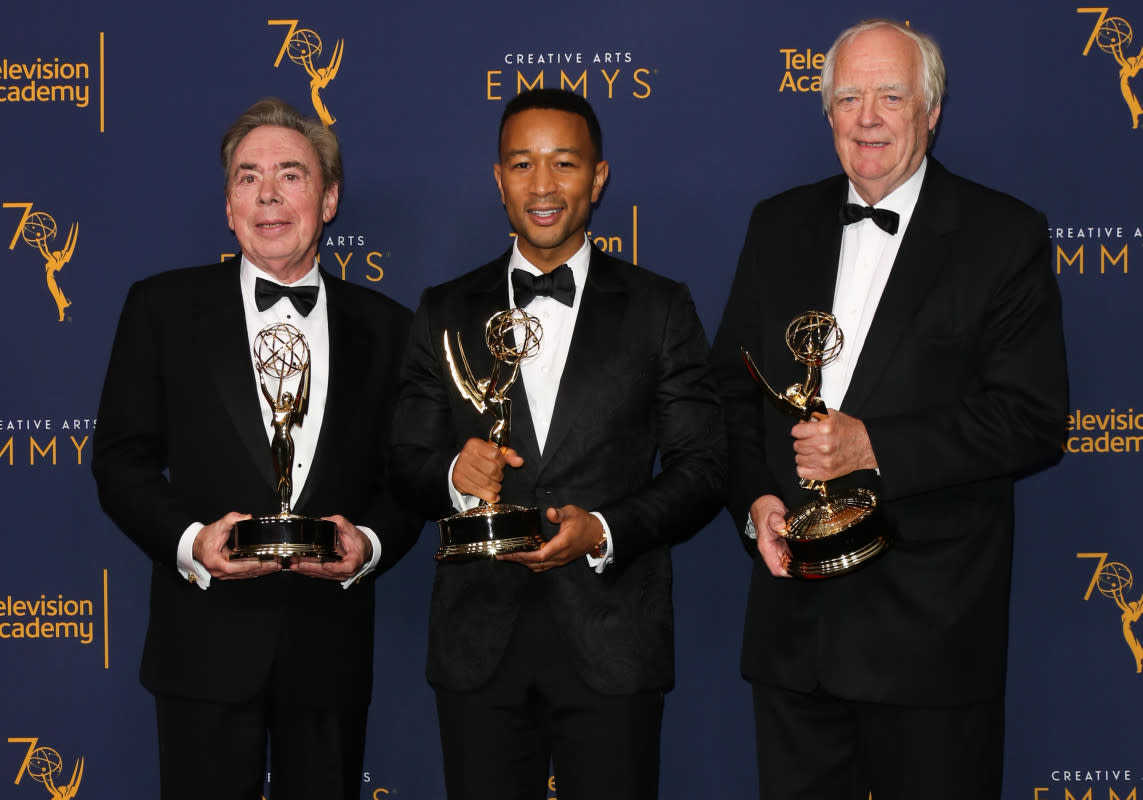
x,y
180,439
635,387
961,385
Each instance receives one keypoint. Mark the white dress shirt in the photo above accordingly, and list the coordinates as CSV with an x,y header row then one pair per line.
x,y
315,328
867,256
542,372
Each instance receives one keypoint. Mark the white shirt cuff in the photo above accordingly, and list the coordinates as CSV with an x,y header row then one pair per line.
x,y
365,570
600,564
190,569
461,502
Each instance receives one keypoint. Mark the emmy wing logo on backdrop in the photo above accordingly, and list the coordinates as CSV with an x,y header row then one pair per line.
x,y
1112,35
1115,580
45,766
39,230
303,46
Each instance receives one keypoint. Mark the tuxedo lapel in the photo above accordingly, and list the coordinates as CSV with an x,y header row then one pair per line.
x,y
221,328
815,259
347,358
489,296
918,264
601,316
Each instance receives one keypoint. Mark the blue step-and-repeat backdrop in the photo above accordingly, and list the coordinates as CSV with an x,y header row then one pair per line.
x,y
110,118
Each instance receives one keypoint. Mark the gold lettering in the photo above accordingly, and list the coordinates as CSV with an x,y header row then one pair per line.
x,y
490,83
1105,256
642,83
522,84
1078,256
610,82
34,447
566,82
343,263
79,448
371,263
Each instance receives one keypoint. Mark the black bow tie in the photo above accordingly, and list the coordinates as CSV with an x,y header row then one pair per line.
x,y
559,284
883,218
266,293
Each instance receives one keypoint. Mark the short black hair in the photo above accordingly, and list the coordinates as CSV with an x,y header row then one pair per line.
x,y
557,100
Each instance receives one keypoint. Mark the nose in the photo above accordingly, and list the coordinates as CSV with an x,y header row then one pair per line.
x,y
542,179
268,191
867,115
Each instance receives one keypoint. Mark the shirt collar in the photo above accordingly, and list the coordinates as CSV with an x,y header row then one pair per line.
x,y
578,264
901,200
249,275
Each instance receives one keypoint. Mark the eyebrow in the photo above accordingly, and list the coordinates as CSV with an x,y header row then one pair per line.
x,y
900,88
280,166
522,151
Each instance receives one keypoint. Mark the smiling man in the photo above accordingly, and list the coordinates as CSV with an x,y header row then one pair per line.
x,y
950,383
561,655
240,650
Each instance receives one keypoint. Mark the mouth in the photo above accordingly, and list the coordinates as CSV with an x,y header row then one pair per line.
x,y
874,145
270,226
544,216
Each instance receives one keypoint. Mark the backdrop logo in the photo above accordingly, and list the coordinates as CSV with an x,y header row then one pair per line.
x,y
44,765
613,243
1104,431
589,74
801,70
38,229
303,46
53,79
1114,580
1112,35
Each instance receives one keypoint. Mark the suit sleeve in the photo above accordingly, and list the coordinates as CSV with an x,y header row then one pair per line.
x,y
423,445
690,488
742,404
1012,419
129,448
396,525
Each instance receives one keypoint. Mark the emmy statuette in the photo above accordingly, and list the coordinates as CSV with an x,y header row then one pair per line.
x,y
834,533
489,529
282,354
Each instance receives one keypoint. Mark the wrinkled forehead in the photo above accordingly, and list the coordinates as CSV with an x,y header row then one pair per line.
x,y
883,55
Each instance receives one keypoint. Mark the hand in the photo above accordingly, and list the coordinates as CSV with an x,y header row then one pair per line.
x,y
831,446
768,513
578,535
479,469
210,549
351,544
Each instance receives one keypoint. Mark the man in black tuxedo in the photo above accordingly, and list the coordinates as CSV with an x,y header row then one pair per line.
x,y
236,649
951,383
563,653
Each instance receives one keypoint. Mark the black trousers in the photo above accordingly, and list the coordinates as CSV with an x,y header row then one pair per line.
x,y
819,747
500,740
219,750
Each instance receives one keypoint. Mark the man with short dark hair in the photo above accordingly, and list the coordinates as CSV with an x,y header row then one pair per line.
x,y
560,655
240,650
950,384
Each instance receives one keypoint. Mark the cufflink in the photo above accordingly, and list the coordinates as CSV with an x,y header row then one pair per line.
x,y
192,578
600,549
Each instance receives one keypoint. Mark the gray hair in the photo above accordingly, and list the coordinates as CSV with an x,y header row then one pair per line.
x,y
932,63
270,111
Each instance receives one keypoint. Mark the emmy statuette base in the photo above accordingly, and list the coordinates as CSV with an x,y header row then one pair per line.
x,y
836,535
487,531
283,536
